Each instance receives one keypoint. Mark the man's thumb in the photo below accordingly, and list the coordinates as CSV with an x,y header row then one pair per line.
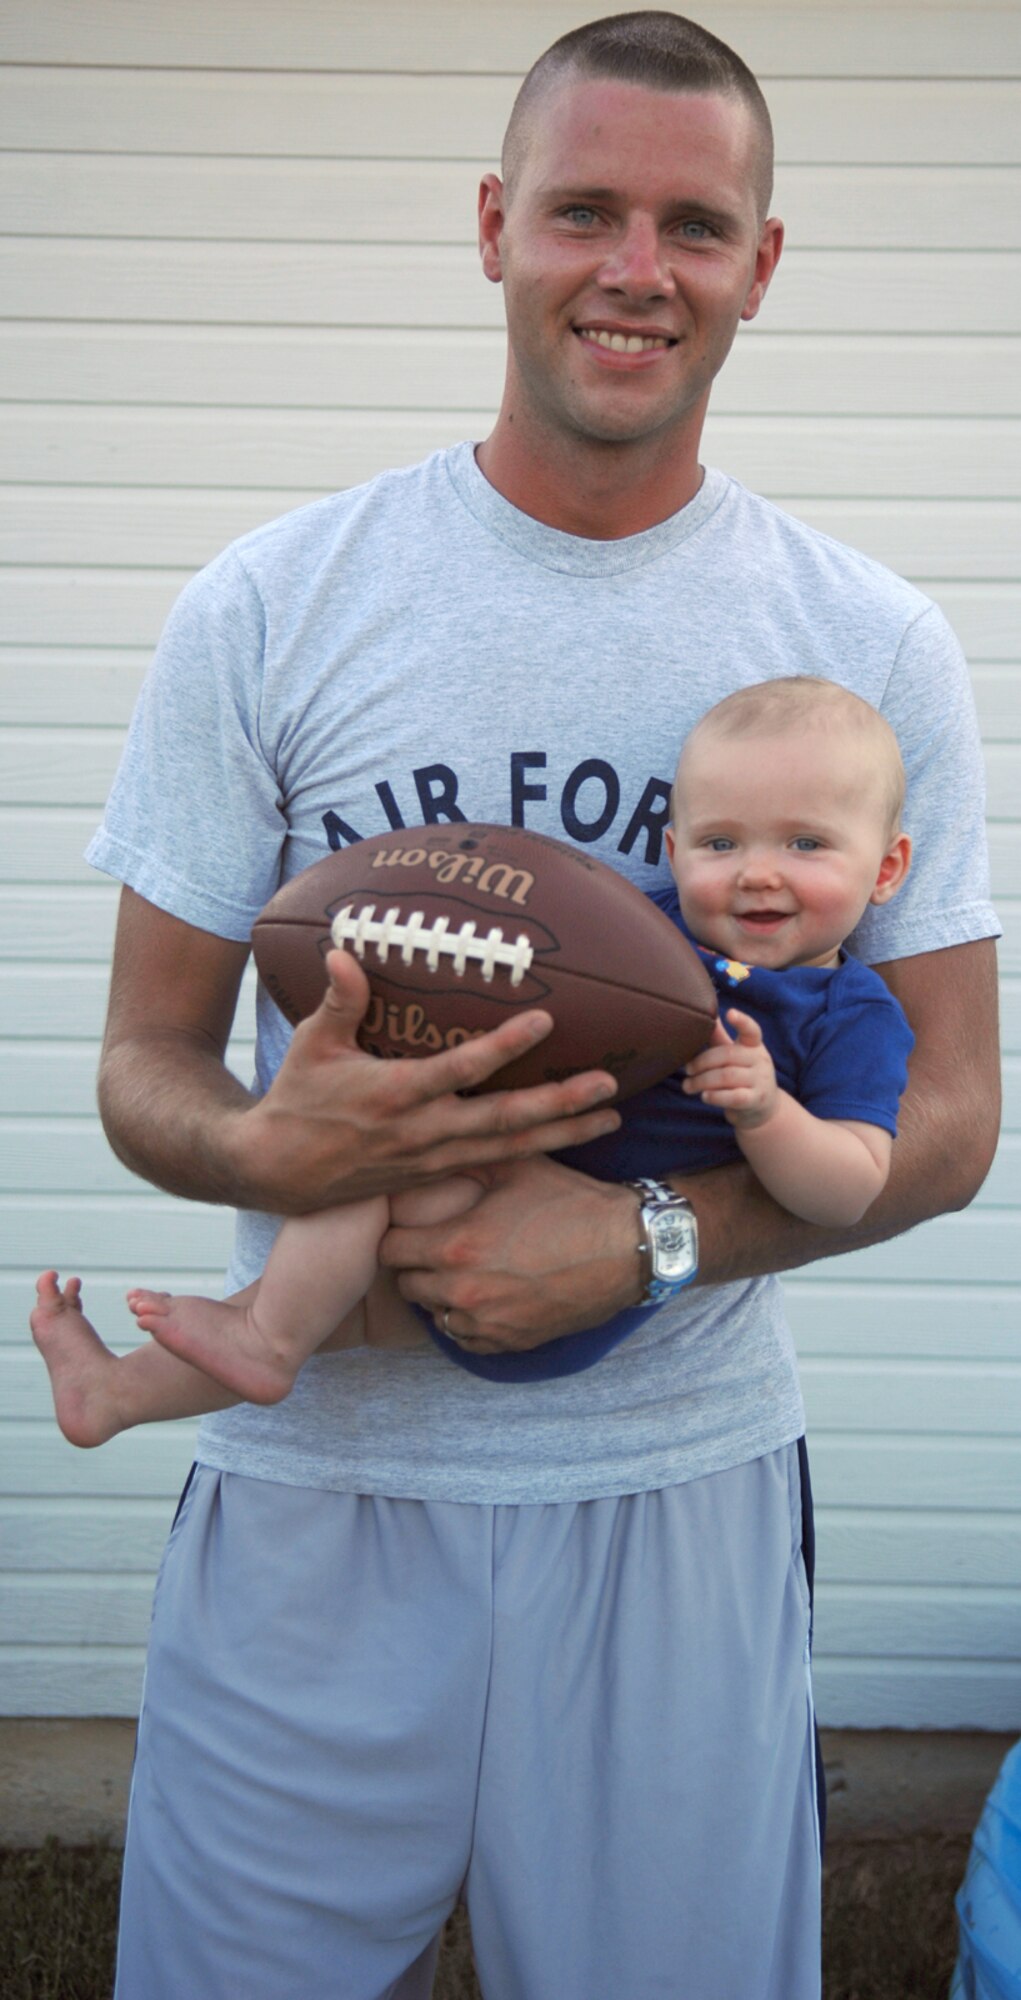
x,y
346,998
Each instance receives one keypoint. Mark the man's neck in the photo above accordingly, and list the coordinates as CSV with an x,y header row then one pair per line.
x,y
597,491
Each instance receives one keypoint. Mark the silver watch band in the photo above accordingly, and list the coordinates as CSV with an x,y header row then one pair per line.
x,y
668,1274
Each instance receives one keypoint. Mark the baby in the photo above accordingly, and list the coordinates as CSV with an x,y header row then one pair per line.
x,y
785,827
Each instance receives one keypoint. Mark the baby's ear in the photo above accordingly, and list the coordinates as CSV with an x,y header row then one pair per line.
x,y
892,869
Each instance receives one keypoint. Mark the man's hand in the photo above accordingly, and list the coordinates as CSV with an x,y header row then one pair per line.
x,y
336,1124
546,1251
736,1076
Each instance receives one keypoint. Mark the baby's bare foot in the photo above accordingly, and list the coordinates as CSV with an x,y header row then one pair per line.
x,y
80,1367
220,1338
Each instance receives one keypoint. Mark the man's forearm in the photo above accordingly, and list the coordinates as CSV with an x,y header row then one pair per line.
x,y
170,1109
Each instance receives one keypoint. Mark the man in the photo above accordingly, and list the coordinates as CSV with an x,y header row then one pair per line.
x,y
414,1630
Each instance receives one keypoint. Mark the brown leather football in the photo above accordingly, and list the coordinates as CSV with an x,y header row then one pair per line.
x,y
457,925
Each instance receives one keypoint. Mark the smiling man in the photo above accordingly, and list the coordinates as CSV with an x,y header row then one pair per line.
x,y
541,1642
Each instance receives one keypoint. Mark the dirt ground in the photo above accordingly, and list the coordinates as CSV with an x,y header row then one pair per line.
x,y
889,1928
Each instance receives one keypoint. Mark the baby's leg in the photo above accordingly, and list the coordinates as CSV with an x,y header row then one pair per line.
x,y
97,1393
389,1320
318,1268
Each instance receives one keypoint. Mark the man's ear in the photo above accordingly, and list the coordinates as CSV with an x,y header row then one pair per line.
x,y
491,219
767,257
892,869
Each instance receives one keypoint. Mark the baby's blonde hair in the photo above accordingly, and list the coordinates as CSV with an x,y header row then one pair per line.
x,y
768,708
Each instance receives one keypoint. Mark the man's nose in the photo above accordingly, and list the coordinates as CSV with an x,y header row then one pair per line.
x,y
637,264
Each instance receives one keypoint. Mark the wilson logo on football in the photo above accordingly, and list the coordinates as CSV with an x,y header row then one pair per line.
x,y
414,941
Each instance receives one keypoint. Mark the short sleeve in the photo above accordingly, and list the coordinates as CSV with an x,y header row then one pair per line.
x,y
945,900
193,822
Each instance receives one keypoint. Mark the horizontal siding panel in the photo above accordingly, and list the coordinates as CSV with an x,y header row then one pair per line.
x,y
44,1153
149,1463
841,1320
97,687
59,768
974,1475
854,1621
863,1320
904,1694
251,200
1009,947
504,35
929,1398
1004,856
128,608
339,115
50,1004
89,685
866,1546
77,1610
895,1621
917,1694
40,923
304,453
997,696
767,374
854,1545
47,1080
78,526
104,1294
978,1247
62,1680
108,607
1003,791
45,844
948,291
143,1232
84,1536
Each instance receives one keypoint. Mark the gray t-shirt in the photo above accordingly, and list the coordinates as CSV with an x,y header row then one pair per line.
x,y
418,650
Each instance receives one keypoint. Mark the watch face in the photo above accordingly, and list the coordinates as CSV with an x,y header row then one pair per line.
x,y
672,1235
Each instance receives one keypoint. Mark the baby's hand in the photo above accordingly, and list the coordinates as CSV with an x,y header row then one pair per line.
x,y
737,1076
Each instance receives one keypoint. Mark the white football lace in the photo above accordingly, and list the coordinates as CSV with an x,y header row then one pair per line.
x,y
412,936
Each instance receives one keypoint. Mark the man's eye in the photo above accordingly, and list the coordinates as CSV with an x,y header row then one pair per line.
x,y
694,231
581,216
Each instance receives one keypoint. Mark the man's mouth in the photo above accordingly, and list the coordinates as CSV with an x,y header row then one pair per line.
x,y
625,343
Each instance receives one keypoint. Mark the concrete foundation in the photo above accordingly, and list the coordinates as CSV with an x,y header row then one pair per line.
x,y
71,1779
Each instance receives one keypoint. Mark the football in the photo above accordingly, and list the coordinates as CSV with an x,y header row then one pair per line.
x,y
458,925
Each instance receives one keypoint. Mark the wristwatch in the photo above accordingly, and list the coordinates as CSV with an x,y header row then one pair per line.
x,y
669,1240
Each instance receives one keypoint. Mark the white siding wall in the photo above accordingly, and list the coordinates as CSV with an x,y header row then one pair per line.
x,y
238,271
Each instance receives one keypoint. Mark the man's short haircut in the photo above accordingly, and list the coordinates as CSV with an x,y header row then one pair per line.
x,y
797,701
657,50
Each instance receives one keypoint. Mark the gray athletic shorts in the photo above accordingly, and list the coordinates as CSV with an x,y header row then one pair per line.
x,y
593,1720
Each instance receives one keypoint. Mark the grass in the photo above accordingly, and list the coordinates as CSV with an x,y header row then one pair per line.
x,y
888,1904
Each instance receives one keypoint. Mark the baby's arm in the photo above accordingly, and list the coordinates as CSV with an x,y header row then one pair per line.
x,y
826,1170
